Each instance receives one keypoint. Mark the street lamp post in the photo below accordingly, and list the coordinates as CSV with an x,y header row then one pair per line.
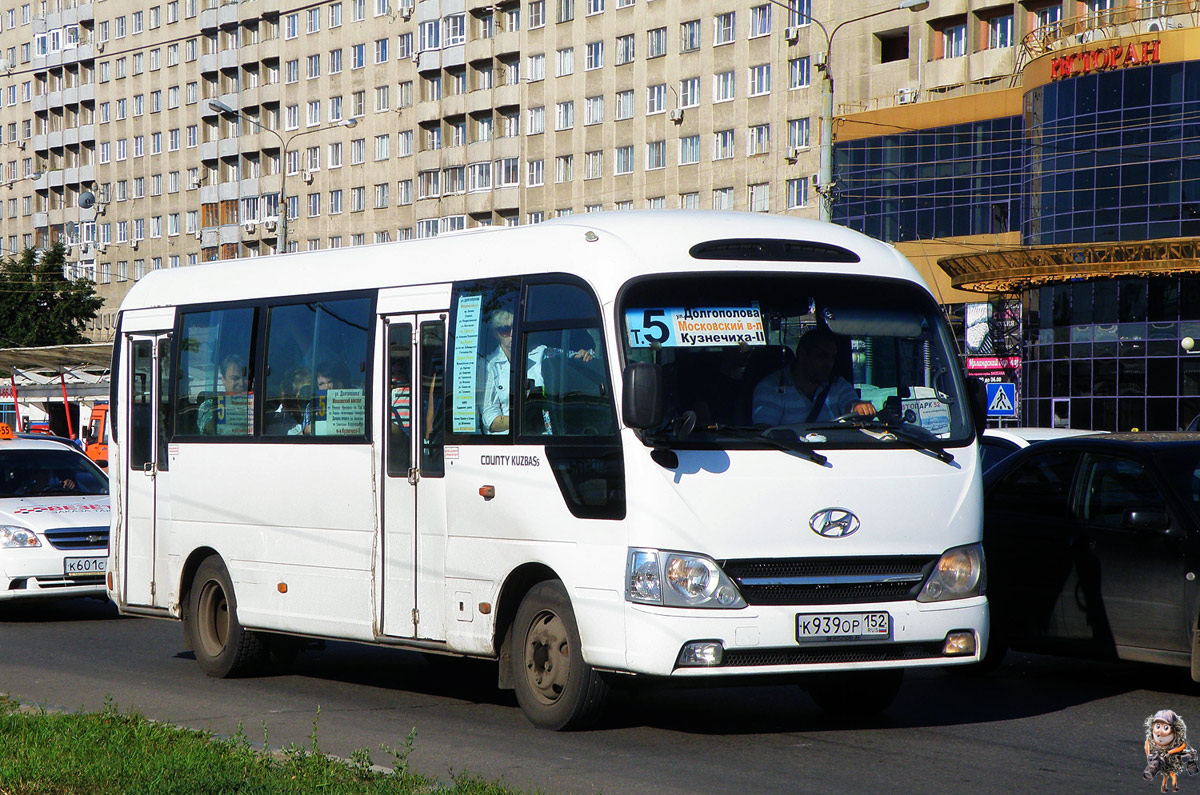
x,y
825,168
284,144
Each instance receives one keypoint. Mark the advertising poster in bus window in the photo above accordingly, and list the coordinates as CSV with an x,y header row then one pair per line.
x,y
234,414
694,327
345,413
466,363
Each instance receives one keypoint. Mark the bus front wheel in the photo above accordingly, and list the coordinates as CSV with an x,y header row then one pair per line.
x,y
555,687
223,647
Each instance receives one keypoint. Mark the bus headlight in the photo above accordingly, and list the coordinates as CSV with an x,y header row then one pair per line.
x,y
959,573
12,537
677,579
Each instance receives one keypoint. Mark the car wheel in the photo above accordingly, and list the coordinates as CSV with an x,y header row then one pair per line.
x,y
555,687
223,647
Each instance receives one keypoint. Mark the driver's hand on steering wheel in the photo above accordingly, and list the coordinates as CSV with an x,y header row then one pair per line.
x,y
863,408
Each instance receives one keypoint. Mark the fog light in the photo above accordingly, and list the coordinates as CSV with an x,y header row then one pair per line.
x,y
701,653
959,643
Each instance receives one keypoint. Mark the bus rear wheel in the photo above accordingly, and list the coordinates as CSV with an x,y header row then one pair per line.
x,y
223,647
555,687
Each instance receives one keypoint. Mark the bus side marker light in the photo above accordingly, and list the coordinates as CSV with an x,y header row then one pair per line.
x,y
281,587
958,643
487,492
485,608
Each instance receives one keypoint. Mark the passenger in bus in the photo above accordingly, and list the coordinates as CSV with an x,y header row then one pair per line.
x,y
808,390
330,375
495,411
289,413
234,379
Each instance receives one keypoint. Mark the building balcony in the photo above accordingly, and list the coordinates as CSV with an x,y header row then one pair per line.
x,y
208,19
210,62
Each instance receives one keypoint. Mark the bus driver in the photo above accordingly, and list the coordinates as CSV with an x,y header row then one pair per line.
x,y
809,390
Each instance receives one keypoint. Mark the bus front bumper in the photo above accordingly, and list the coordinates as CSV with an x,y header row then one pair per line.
x,y
769,640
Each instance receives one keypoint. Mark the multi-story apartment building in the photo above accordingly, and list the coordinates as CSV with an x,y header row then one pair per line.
x,y
187,122
1024,145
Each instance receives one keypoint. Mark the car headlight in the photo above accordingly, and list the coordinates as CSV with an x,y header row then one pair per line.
x,y
678,579
13,537
959,573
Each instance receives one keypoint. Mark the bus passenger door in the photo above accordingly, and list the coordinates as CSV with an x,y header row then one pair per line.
x,y
414,503
145,463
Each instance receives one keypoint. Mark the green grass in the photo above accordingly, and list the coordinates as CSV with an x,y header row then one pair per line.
x,y
52,753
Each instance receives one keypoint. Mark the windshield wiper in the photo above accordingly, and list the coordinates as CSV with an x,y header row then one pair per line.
x,y
899,431
777,440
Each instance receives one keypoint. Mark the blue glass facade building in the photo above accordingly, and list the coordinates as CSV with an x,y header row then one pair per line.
x,y
1097,159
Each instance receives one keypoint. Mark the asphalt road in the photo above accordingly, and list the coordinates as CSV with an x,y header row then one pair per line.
x,y
1038,723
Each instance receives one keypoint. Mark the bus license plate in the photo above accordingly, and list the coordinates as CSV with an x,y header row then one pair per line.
x,y
76,567
843,626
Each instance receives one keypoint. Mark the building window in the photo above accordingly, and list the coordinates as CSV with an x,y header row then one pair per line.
x,y
798,73
656,99
723,87
758,140
760,198
954,40
760,80
760,21
594,55
1000,31
624,109
724,28
689,150
623,160
689,36
723,144
656,155
656,43
625,49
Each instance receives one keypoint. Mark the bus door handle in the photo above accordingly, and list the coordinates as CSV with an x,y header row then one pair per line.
x,y
148,468
414,474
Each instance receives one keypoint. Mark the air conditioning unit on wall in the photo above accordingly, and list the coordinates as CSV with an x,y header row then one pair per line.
x,y
906,96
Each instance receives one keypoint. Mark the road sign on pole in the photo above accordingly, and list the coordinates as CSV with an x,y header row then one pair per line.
x,y
1001,400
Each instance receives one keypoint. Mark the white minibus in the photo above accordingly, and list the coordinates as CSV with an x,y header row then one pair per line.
x,y
735,448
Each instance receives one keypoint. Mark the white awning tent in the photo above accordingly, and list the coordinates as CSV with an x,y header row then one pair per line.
x,y
40,376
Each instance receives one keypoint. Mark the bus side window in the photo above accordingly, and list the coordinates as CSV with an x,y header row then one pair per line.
x,y
215,389
431,400
565,390
483,327
316,364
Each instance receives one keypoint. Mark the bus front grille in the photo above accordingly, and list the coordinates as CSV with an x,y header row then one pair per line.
x,y
826,655
829,581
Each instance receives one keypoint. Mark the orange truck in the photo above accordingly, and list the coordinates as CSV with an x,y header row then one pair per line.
x,y
97,436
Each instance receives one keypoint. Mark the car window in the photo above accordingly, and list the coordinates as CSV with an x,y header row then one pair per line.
x,y
993,451
45,473
1113,486
1040,484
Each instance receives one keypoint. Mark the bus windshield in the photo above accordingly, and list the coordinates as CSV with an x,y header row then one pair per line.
x,y
835,361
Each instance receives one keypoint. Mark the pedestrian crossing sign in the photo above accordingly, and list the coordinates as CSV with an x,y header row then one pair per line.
x,y
1002,400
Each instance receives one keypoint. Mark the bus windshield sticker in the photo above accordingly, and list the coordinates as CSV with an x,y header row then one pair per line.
x,y
693,327
466,362
931,413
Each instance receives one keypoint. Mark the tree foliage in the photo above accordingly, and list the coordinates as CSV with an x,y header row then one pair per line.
x,y
39,305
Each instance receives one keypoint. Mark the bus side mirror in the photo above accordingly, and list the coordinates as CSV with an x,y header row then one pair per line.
x,y
977,394
642,395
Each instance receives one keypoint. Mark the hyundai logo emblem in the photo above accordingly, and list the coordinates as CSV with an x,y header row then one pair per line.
x,y
95,539
834,523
